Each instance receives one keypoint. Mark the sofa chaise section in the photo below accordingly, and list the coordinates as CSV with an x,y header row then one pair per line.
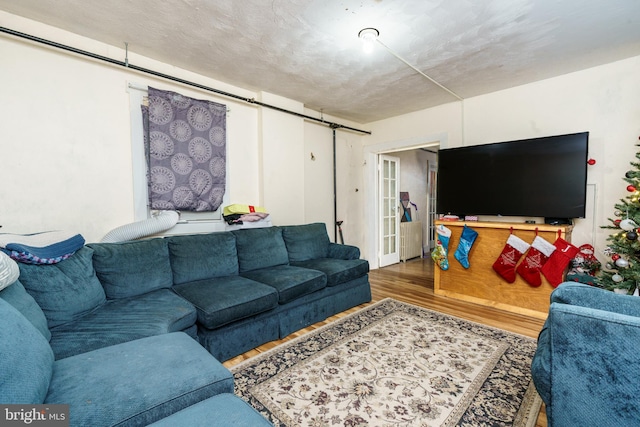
x,y
137,382
225,410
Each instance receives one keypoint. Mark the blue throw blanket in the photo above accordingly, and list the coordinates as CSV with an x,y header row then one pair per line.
x,y
41,248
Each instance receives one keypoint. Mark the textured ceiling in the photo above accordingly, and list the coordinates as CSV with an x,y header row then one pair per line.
x,y
308,50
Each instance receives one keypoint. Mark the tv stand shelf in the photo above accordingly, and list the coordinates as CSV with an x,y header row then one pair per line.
x,y
480,283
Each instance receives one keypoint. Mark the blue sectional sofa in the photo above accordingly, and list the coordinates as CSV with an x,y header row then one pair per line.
x,y
586,364
133,333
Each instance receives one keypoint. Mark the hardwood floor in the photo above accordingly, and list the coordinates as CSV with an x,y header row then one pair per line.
x,y
412,282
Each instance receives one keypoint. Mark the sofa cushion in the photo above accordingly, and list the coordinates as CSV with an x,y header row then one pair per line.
x,y
137,382
309,241
132,268
202,256
125,319
17,296
65,291
226,409
337,270
27,359
260,248
222,300
291,282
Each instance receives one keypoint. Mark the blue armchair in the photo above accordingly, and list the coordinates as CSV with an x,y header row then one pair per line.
x,y
587,363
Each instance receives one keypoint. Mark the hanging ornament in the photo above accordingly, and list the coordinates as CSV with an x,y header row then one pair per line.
x,y
617,222
628,224
632,235
615,257
609,266
617,278
631,188
622,263
617,213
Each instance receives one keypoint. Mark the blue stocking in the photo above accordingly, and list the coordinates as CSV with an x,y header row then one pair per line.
x,y
464,246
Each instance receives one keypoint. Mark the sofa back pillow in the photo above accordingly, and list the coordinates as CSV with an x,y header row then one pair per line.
x,y
17,296
27,359
305,242
260,248
65,291
203,256
129,269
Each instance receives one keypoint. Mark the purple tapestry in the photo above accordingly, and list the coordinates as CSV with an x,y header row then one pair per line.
x,y
185,143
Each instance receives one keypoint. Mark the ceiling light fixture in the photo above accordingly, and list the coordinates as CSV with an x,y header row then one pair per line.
x,y
368,37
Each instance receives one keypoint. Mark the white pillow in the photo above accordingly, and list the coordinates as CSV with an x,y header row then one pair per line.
x,y
9,271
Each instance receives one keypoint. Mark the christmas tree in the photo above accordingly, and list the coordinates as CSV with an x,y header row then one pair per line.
x,y
623,269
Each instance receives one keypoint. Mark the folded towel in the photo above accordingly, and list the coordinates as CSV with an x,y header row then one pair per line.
x,y
242,209
41,248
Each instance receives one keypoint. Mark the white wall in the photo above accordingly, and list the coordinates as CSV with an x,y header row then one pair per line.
x,y
66,146
281,154
602,100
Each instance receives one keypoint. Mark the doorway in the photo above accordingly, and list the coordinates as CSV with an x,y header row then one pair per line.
x,y
373,235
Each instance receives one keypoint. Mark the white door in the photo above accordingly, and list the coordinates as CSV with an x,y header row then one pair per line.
x,y
389,215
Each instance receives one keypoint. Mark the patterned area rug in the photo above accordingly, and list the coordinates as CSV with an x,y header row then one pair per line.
x,y
395,364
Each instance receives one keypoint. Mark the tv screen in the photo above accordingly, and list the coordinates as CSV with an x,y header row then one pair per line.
x,y
539,177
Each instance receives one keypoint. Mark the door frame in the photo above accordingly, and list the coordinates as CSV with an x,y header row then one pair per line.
x,y
371,152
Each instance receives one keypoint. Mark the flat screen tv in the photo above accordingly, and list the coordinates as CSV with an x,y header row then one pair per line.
x,y
539,177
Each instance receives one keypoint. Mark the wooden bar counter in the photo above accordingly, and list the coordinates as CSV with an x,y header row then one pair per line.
x,y
480,283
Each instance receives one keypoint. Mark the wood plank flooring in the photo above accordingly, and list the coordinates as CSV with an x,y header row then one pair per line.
x,y
412,282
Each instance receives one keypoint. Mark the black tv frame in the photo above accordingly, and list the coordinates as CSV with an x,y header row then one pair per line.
x,y
536,177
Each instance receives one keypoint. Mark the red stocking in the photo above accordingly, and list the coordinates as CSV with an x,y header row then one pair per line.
x,y
505,265
554,268
536,257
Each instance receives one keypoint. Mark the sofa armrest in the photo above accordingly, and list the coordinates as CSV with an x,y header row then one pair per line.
x,y
592,364
572,293
338,251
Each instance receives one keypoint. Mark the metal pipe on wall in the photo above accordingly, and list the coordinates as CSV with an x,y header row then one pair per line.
x,y
335,189
127,64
